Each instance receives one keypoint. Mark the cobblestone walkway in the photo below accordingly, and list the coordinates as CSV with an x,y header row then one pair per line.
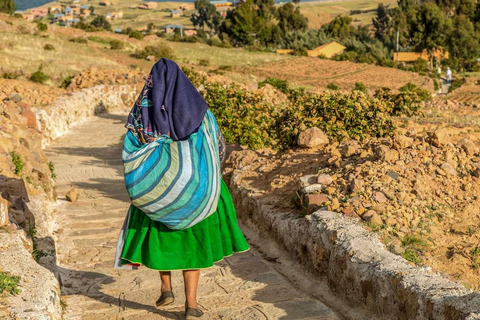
x,y
243,286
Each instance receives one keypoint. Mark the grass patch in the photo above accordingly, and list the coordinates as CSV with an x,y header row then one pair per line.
x,y
9,284
414,247
17,162
51,167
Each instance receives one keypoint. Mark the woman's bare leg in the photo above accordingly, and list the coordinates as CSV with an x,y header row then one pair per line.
x,y
191,283
166,277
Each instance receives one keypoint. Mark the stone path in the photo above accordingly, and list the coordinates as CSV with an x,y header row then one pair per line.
x,y
243,286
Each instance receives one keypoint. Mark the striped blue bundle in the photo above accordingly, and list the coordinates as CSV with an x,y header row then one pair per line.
x,y
175,182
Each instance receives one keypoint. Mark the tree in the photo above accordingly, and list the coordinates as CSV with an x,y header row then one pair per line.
x,y
204,13
381,22
7,6
290,18
340,27
92,10
102,23
463,42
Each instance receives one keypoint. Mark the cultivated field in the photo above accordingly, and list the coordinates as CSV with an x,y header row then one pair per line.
x,y
316,73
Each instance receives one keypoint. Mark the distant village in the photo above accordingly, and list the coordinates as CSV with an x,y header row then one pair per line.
x,y
75,12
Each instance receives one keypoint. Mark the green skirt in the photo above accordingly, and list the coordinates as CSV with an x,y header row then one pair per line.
x,y
152,244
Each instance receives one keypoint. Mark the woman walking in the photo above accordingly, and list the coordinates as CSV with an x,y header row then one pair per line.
x,y
182,215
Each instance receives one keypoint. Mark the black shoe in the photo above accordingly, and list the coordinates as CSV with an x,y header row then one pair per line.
x,y
193,314
165,299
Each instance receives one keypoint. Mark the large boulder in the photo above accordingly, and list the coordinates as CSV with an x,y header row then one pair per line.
x,y
312,138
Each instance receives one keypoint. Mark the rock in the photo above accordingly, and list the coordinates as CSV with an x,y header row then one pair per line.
x,y
438,138
305,181
15,97
379,197
335,204
31,119
315,201
324,179
350,212
356,185
372,217
469,147
393,175
351,148
73,194
378,208
476,170
312,188
402,142
384,153
448,169
312,137
4,221
242,158
391,221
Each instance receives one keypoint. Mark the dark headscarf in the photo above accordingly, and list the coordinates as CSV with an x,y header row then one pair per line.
x,y
169,104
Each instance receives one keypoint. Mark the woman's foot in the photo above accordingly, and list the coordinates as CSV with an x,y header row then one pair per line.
x,y
193,313
165,299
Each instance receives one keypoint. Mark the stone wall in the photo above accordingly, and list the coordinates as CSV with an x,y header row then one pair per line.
x,y
355,262
27,195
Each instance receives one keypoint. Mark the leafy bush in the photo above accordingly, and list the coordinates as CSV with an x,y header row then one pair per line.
x,y
79,40
66,82
247,118
101,22
204,62
332,86
42,27
136,35
99,39
9,284
39,76
17,162
456,83
279,84
359,86
116,44
158,51
422,93
49,47
11,75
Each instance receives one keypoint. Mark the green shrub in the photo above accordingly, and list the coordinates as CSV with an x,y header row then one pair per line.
x,y
332,86
11,75
99,39
49,47
456,83
302,51
116,44
359,86
158,51
422,93
196,78
51,167
17,162
403,103
79,40
436,86
136,35
42,27
204,62
66,82
39,76
9,284
277,83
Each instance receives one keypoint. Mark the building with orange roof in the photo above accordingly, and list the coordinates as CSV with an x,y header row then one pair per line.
x,y
328,50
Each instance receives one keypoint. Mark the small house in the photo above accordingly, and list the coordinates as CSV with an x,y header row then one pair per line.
x,y
55,9
117,15
108,16
68,11
118,30
284,51
328,50
176,13
221,3
84,6
76,11
71,21
172,27
414,56
85,13
58,16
